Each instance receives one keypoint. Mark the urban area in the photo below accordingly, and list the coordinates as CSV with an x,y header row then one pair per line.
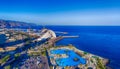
x,y
36,49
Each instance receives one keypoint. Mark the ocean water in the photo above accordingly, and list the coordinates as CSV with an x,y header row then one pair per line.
x,y
103,41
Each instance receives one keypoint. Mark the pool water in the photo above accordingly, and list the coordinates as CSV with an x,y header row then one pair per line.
x,y
73,59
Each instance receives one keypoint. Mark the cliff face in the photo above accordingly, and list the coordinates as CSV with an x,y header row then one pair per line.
x,y
15,24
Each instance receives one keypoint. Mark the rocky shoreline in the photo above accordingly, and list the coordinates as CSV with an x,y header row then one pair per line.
x,y
94,61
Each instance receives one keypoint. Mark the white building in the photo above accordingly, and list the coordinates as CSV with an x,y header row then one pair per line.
x,y
46,33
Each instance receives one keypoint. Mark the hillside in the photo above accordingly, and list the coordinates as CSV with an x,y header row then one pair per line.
x,y
15,24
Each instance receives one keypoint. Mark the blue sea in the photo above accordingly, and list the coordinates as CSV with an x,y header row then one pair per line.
x,y
103,41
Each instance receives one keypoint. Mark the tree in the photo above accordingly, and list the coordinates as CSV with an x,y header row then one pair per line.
x,y
7,67
3,60
17,55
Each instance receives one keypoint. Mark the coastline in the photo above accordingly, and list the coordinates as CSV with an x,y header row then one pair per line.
x,y
84,55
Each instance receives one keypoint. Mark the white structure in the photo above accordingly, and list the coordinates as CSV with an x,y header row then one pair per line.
x,y
46,33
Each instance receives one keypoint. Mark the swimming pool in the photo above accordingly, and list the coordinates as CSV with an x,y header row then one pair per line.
x,y
73,59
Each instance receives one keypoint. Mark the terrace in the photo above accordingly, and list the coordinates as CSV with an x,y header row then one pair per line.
x,y
66,57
